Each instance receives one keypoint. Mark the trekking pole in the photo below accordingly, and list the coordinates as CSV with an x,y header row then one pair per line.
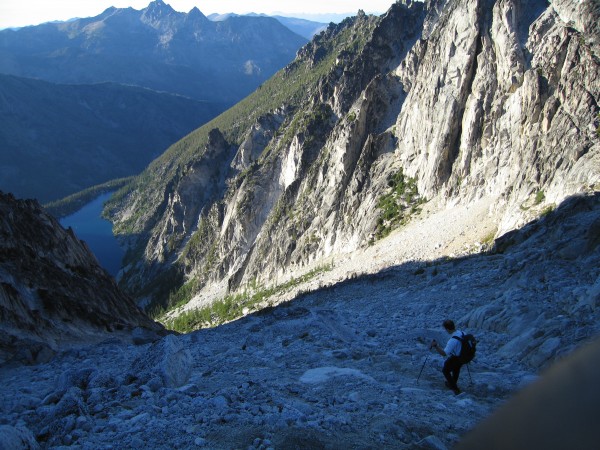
x,y
469,370
422,369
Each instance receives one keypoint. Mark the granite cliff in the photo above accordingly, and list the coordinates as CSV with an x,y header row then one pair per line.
x,y
436,103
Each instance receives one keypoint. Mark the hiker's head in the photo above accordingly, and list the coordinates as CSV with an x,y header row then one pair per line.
x,y
449,326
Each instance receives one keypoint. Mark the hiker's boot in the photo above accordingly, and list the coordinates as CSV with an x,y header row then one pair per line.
x,y
454,388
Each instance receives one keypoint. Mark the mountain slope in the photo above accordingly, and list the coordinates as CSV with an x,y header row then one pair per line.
x,y
348,366
157,48
444,101
53,293
60,139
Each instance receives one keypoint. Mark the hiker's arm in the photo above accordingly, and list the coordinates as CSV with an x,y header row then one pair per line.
x,y
437,348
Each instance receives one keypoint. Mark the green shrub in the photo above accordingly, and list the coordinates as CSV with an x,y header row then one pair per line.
x,y
547,210
232,306
397,204
488,239
539,197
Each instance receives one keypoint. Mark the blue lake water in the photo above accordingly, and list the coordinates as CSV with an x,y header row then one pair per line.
x,y
89,226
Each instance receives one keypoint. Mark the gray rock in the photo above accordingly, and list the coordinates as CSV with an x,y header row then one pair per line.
x,y
78,378
519,345
433,443
72,402
200,442
591,297
17,438
141,336
102,380
155,383
545,352
168,359
219,402
472,116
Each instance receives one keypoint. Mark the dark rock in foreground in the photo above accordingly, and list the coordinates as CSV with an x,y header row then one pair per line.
x,y
53,292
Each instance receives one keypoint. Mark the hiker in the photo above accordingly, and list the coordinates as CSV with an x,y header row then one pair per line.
x,y
452,364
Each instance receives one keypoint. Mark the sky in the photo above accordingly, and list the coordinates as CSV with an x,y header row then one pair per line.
x,y
18,13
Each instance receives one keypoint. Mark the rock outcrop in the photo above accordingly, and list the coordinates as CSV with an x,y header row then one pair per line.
x,y
452,101
53,292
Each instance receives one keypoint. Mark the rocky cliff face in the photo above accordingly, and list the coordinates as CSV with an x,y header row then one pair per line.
x,y
441,101
52,290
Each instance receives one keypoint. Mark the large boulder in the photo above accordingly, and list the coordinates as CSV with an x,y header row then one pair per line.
x,y
168,360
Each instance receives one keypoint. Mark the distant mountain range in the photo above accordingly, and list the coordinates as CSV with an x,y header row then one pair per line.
x,y
59,139
156,47
303,27
98,115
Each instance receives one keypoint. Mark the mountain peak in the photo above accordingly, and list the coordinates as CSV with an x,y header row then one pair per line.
x,y
196,14
157,8
158,4
155,13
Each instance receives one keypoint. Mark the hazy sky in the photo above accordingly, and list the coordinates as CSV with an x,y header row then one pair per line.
x,y
14,13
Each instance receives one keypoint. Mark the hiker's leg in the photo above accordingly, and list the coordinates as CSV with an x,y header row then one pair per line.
x,y
447,371
456,372
451,371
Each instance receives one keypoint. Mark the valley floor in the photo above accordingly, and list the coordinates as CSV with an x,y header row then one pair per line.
x,y
335,368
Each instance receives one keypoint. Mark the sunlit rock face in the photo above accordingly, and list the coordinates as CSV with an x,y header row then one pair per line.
x,y
494,99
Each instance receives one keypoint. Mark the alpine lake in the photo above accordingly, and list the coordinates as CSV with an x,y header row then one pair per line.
x,y
89,226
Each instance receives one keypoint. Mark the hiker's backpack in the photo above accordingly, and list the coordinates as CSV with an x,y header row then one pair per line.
x,y
468,345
